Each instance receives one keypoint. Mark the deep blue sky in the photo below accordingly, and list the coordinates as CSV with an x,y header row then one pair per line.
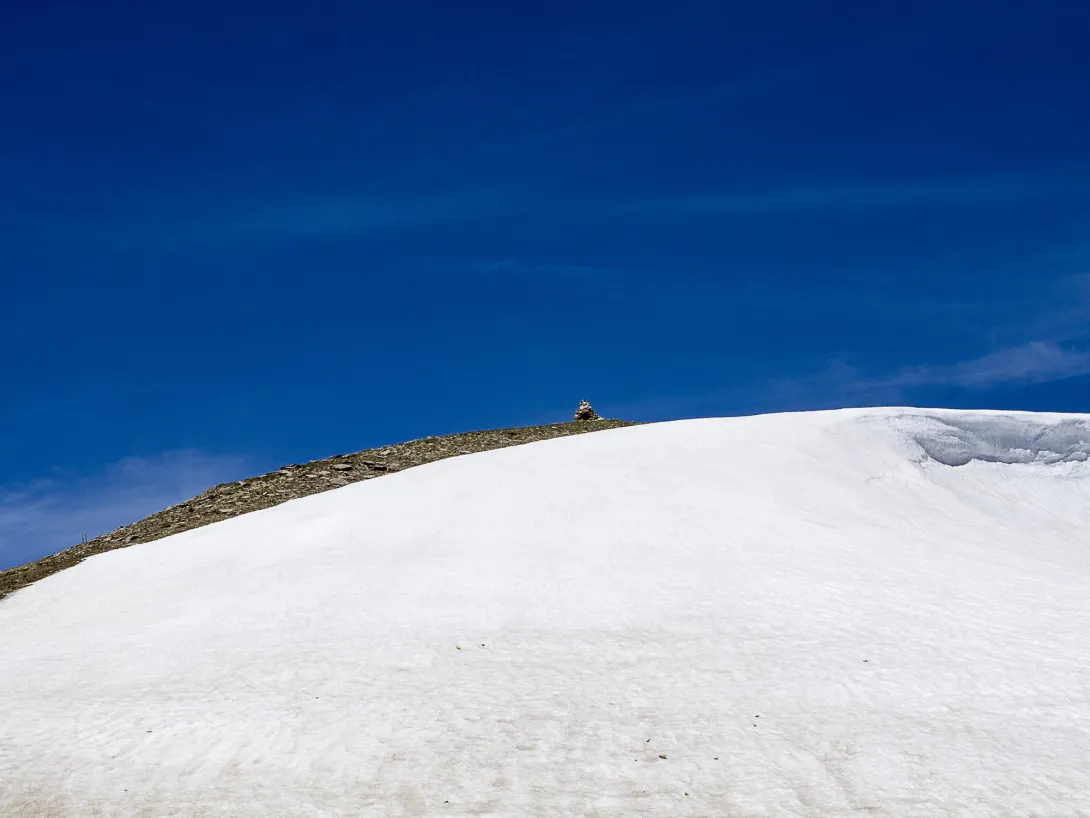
x,y
237,235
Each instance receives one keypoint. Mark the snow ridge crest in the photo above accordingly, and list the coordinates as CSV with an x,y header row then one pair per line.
x,y
958,439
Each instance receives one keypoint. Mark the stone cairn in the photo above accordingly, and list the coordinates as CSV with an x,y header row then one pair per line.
x,y
585,412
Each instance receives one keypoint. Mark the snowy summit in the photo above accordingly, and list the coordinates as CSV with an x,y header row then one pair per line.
x,y
853,613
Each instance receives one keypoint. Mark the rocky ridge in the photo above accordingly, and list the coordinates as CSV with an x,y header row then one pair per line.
x,y
290,482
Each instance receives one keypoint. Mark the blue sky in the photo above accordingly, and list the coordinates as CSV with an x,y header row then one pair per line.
x,y
239,235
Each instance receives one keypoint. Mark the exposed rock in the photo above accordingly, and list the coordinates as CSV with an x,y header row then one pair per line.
x,y
290,482
585,412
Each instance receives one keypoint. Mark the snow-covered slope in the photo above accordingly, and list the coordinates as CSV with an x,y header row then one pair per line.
x,y
880,613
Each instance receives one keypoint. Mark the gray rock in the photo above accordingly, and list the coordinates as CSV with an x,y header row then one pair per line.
x,y
585,412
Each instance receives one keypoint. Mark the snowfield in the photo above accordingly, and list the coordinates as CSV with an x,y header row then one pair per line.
x,y
853,613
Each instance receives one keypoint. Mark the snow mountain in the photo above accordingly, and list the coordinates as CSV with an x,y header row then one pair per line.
x,y
877,612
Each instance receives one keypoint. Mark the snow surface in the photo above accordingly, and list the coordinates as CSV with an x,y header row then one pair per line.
x,y
865,612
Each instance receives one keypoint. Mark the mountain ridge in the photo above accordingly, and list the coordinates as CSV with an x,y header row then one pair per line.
x,y
291,482
865,612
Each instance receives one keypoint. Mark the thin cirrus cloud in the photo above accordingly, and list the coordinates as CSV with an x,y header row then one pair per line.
x,y
514,268
1035,362
366,215
840,383
140,221
625,114
954,192
50,514
247,221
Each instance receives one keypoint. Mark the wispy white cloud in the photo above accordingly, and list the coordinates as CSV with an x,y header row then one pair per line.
x,y
368,213
627,113
52,513
522,269
842,384
965,191
1035,362
246,221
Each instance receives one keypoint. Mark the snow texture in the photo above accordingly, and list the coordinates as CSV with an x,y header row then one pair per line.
x,y
854,613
